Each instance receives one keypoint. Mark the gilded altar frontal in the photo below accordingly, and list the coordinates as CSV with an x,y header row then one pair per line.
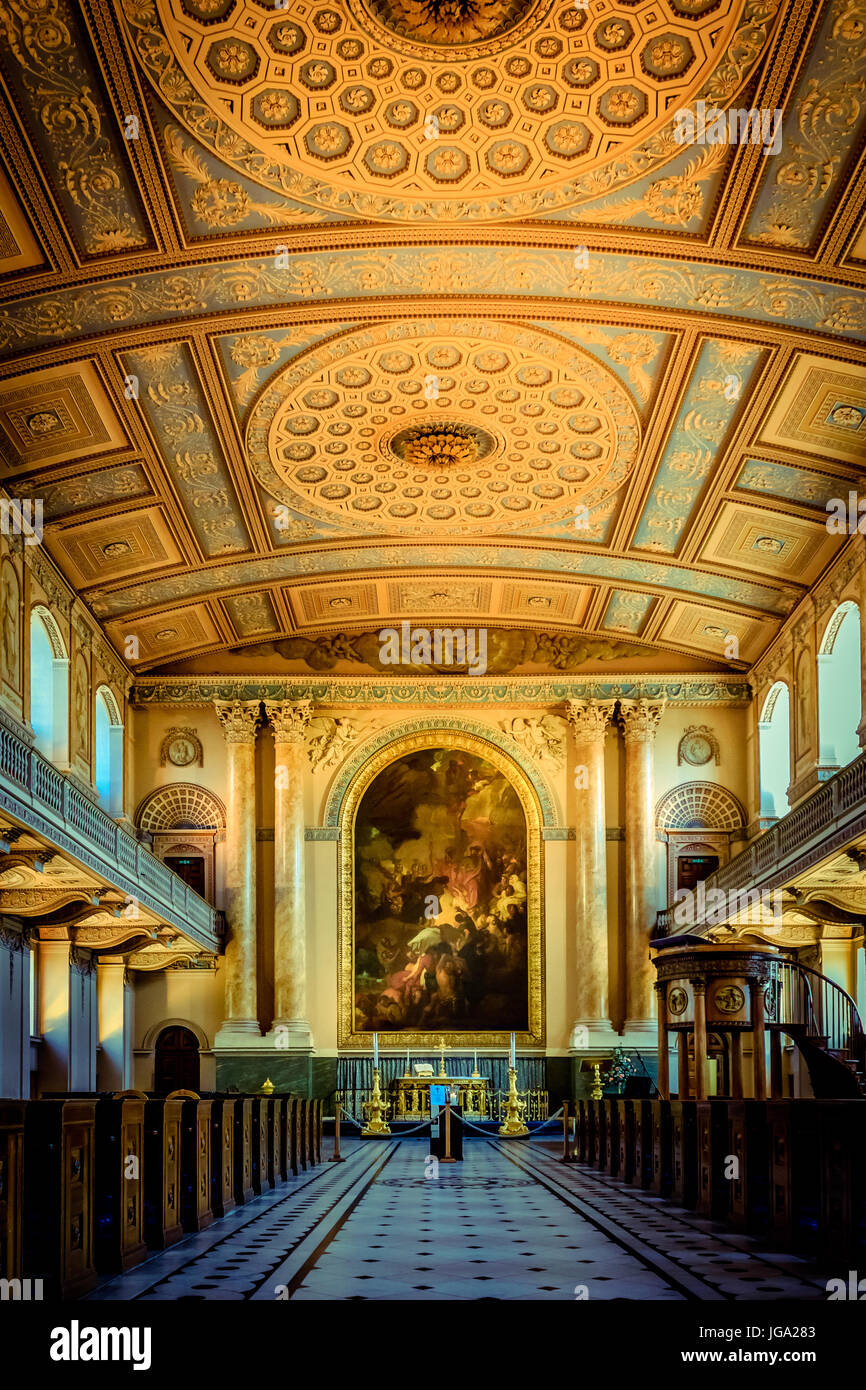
x,y
432,668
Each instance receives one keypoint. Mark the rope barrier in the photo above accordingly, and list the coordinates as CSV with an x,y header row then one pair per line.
x,y
467,1124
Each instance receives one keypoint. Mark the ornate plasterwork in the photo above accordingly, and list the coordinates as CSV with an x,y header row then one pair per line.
x,y
342,808
554,121
542,739
75,127
180,806
523,273
700,806
337,691
534,424
239,719
827,111
426,732
181,747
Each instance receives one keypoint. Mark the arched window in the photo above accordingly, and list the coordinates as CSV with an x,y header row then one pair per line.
x,y
839,703
774,752
108,770
49,686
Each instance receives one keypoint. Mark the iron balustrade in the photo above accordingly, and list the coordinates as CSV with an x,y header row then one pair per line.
x,y
50,791
815,1007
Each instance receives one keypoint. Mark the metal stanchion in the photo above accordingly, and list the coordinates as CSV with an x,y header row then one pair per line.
x,y
447,1155
336,1156
566,1152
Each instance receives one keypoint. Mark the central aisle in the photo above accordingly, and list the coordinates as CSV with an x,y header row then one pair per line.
x,y
510,1222
484,1228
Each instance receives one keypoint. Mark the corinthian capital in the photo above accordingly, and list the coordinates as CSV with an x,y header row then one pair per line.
x,y
589,719
288,719
640,719
239,719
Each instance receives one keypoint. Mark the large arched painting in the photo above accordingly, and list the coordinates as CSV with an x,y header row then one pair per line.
x,y
442,900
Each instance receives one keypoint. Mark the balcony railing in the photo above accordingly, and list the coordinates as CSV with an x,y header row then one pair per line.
x,y
61,802
823,812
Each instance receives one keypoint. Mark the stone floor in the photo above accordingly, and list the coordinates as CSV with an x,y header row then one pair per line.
x,y
510,1222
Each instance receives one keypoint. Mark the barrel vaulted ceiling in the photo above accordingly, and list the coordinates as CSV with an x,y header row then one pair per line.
x,y
317,317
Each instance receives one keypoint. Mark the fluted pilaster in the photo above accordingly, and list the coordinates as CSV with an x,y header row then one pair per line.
x,y
239,719
640,722
289,720
589,720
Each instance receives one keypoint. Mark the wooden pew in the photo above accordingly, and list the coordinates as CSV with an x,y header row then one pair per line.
x,y
118,1188
11,1194
222,1154
842,1227
278,1139
196,1213
161,1172
293,1133
748,1142
660,1135
795,1168
58,1195
643,1144
303,1130
684,1153
243,1149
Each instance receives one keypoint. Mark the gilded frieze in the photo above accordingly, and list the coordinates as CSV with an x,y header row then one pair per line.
x,y
257,283
274,569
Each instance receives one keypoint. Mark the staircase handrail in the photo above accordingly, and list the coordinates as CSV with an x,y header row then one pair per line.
x,y
840,1023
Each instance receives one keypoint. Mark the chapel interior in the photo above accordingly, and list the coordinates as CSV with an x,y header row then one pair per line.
x,y
431,660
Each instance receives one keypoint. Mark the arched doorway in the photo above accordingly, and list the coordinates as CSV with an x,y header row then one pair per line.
x,y
177,1064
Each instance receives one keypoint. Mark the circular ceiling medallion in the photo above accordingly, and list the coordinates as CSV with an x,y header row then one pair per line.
x,y
446,23
441,444
458,426
405,110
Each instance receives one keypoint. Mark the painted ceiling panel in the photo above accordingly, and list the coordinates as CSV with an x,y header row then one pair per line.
x,y
432,313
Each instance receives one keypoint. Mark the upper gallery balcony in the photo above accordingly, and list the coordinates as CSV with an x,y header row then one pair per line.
x,y
66,867
805,872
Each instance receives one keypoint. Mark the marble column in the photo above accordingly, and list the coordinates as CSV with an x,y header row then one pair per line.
x,y
55,1026
240,1026
640,721
289,721
591,1026
113,999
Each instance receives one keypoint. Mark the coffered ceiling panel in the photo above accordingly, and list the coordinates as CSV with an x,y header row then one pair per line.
x,y
318,315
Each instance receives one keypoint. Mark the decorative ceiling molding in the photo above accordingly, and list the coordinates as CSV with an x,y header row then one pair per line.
x,y
447,199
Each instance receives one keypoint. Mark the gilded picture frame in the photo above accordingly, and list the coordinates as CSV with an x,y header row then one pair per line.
x,y
535,1034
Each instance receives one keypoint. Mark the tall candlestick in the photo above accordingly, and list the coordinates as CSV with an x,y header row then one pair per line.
x,y
475,1061
408,1069
513,1054
375,1049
